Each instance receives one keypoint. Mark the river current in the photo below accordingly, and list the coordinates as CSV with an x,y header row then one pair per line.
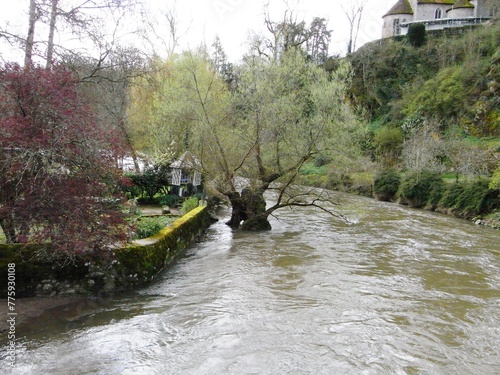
x,y
394,291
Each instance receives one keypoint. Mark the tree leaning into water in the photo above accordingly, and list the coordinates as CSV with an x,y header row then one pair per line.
x,y
283,113
254,135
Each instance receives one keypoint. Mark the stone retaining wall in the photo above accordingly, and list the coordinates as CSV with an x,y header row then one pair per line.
x,y
133,266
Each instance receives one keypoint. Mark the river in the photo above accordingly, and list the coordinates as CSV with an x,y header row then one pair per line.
x,y
395,291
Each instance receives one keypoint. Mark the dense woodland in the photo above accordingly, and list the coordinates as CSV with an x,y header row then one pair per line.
x,y
412,119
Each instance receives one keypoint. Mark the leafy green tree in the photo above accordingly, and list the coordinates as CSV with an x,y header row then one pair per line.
x,y
388,143
162,113
282,113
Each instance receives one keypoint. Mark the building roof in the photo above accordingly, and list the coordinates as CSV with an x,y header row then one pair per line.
x,y
187,160
443,2
401,7
462,4
404,6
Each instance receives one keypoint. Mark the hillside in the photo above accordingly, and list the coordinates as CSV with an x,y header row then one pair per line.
x,y
455,80
433,114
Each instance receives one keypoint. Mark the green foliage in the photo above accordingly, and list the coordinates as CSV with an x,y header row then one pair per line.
x,y
189,204
444,94
436,194
470,199
169,200
388,142
131,188
383,71
417,35
455,80
386,184
415,188
149,226
495,179
476,198
451,195
151,182
312,169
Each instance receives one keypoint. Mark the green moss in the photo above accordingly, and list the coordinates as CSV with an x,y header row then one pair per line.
x,y
138,264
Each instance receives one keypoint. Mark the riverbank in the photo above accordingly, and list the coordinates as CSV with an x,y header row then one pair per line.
x,y
473,200
132,266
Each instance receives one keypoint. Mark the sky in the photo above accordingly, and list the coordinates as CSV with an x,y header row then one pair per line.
x,y
232,20
199,21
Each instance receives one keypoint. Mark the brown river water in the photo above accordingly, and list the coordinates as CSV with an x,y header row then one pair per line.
x,y
396,291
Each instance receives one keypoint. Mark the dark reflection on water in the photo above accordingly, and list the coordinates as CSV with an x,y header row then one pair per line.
x,y
398,291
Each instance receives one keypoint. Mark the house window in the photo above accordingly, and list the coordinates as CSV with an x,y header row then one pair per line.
x,y
396,29
185,177
437,13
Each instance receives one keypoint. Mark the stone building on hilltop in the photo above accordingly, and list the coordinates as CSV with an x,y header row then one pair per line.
x,y
437,14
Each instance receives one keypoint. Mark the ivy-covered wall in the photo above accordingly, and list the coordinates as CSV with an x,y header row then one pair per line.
x,y
134,265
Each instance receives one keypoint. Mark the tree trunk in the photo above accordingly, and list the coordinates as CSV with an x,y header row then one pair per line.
x,y
30,39
9,230
129,146
249,207
238,210
50,46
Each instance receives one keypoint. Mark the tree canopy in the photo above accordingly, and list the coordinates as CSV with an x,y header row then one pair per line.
x,y
57,165
279,114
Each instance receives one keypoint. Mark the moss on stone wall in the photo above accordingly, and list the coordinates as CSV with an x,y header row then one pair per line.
x,y
135,265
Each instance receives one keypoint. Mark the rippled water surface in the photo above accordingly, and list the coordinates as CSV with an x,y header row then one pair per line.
x,y
397,291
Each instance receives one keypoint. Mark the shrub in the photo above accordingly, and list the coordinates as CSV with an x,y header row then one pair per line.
x,y
169,200
386,185
417,35
388,142
415,188
436,194
451,194
189,204
495,179
476,198
149,226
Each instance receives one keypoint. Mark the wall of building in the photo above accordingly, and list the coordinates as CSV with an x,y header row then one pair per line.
x,y
388,28
460,13
428,11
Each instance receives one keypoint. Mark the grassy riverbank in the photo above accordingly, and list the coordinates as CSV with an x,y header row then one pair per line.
x,y
470,199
